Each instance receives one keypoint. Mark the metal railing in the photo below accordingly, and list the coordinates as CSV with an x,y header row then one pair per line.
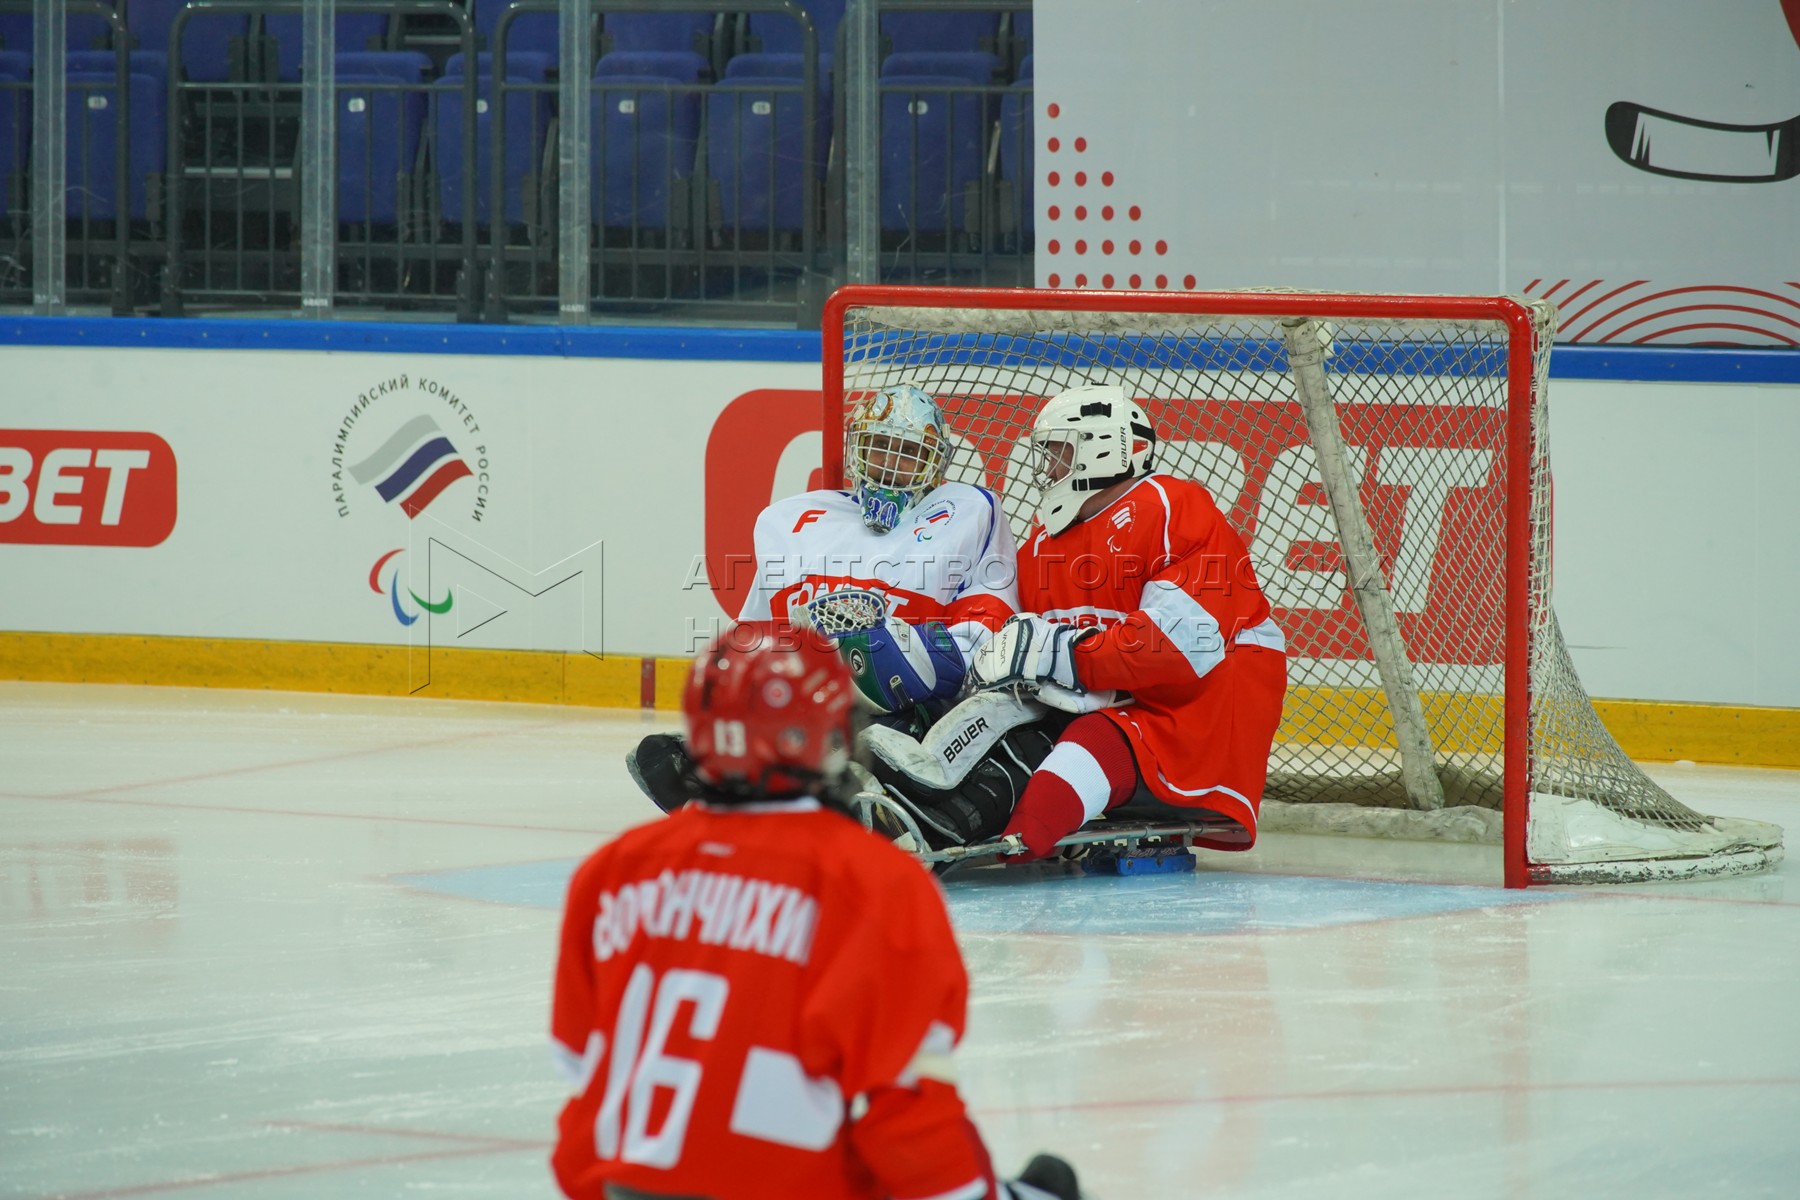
x,y
480,168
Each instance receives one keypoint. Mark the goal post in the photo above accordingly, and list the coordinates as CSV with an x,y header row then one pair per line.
x,y
1386,459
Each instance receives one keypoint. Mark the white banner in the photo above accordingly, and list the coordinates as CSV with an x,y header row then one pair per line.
x,y
517,502
1638,161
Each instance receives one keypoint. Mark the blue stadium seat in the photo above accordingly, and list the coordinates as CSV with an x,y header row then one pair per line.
x,y
1017,152
969,66
931,152
646,132
205,37
529,33
776,34
379,130
92,133
628,31
755,147
926,31
105,62
15,130
85,32
354,33
526,122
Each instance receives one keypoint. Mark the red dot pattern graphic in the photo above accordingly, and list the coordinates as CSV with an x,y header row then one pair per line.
x,y
1104,249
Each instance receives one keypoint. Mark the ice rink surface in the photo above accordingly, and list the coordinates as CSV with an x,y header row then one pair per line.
x,y
291,946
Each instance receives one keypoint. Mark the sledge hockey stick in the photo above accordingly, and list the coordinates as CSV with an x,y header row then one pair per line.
x,y
1665,143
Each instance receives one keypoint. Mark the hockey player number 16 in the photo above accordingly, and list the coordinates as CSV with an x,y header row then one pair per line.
x,y
637,1065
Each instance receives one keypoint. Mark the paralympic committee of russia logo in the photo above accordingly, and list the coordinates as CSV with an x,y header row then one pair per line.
x,y
408,446
433,441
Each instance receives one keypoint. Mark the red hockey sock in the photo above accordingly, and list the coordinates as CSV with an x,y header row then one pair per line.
x,y
1089,771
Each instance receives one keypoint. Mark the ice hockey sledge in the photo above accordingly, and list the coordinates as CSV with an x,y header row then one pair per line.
x,y
1122,844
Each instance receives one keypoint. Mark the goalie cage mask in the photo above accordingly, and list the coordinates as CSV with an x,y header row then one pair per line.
x,y
1083,440
768,708
895,453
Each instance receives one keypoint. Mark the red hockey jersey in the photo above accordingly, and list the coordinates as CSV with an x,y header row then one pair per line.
x,y
759,1002
1186,631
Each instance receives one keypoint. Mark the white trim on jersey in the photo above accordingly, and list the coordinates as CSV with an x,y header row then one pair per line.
x,y
1186,623
1151,480
797,805
1268,635
932,1059
1248,820
777,1101
578,1069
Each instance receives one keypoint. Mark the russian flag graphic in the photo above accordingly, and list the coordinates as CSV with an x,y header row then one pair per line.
x,y
418,453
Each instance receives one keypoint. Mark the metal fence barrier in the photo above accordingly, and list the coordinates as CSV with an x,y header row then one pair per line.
x,y
522,160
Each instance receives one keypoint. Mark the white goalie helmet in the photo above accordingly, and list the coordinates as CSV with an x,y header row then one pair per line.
x,y
895,452
1085,439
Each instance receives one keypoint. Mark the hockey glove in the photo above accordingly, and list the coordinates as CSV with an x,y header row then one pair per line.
x,y
1030,651
897,665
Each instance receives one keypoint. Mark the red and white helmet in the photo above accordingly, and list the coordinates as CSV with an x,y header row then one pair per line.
x,y
768,708
1085,439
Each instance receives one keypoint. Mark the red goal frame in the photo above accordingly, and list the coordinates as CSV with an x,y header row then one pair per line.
x,y
1520,448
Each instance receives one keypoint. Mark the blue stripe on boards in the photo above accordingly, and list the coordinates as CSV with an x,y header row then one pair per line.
x,y
1623,363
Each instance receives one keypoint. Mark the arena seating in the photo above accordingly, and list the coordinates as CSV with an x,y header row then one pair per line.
x,y
356,33
92,139
525,121
646,125
380,128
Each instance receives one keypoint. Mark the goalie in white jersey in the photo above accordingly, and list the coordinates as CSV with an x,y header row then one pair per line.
x,y
925,568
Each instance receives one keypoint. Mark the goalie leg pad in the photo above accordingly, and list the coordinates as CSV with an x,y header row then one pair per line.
x,y
661,768
978,807
949,751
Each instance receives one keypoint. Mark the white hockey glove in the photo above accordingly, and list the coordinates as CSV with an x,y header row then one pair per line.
x,y
1029,652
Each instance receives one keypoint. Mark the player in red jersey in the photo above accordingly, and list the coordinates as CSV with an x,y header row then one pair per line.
x,y
756,998
1133,581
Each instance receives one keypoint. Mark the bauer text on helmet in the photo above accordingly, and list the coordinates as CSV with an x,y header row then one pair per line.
x,y
895,452
1084,440
768,711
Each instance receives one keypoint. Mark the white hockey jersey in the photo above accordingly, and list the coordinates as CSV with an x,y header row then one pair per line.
x,y
952,558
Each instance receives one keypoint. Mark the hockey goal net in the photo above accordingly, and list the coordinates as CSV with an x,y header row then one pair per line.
x,y
1386,459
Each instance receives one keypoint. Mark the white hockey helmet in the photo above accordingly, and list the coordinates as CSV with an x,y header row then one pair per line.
x,y
895,452
1085,439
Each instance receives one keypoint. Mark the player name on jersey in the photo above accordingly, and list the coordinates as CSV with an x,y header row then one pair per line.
x,y
714,909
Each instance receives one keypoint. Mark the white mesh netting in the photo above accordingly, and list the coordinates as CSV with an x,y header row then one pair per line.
x,y
1421,405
